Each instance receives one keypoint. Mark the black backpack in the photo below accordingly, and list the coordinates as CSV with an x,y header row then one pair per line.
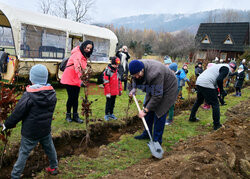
x,y
100,77
63,64
4,62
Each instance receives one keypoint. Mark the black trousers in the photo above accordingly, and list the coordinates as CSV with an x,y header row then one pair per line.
x,y
125,85
210,96
238,89
110,104
73,95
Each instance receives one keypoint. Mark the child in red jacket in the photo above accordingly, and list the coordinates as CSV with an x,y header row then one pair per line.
x,y
112,86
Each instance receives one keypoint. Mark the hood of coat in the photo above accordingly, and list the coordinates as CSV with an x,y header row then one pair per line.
x,y
42,96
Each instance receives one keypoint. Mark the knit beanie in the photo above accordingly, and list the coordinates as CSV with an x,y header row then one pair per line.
x,y
39,74
135,66
167,60
173,66
115,60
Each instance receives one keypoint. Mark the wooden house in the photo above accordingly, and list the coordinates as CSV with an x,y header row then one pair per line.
x,y
227,41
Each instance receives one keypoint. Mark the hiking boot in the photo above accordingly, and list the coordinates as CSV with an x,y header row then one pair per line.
x,y
194,119
76,118
168,122
106,117
141,137
236,94
217,127
51,171
68,117
113,116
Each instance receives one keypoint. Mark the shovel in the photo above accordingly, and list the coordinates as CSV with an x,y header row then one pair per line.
x,y
154,147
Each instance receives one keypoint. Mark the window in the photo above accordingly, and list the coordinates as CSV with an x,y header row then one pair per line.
x,y
228,40
223,56
206,40
201,55
38,42
6,40
101,49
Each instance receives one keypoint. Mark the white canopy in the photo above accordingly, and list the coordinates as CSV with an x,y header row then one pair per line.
x,y
18,16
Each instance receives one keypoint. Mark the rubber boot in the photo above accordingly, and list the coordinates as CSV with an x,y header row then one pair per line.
x,y
68,117
76,118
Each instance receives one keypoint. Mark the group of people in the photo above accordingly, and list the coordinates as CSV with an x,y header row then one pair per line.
x,y
36,107
161,83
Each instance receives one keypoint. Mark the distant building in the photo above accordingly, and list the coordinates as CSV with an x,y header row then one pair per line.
x,y
223,40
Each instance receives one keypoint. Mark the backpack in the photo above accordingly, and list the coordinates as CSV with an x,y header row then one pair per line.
x,y
4,62
63,64
100,77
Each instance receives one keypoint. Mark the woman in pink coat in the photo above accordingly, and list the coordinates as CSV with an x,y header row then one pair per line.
x,y
71,77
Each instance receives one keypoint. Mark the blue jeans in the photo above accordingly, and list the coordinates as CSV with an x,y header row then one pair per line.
x,y
27,145
159,124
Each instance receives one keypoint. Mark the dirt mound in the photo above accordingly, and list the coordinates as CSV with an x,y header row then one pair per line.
x,y
224,153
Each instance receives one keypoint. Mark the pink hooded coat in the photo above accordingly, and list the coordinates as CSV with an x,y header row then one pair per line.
x,y
71,75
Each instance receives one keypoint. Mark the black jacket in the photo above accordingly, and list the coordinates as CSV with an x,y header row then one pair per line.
x,y
239,79
35,110
198,70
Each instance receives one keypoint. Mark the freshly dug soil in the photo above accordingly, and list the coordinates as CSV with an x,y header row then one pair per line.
x,y
224,153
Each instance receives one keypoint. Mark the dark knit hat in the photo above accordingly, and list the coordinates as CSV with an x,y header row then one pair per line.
x,y
39,74
115,60
135,66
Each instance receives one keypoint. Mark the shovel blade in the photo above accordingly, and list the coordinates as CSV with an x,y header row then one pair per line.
x,y
156,149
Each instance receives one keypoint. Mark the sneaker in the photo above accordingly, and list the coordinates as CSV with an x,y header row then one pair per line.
x,y
206,106
76,118
168,122
113,116
52,171
194,119
106,117
141,137
182,98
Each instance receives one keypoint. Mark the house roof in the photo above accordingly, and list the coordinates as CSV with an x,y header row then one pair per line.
x,y
219,32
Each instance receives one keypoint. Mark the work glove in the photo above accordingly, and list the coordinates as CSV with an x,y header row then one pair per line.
x,y
3,126
132,92
108,95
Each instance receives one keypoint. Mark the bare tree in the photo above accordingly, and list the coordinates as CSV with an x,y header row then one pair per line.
x,y
81,8
45,6
231,16
63,9
76,10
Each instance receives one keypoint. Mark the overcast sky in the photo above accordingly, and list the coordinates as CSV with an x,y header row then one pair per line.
x,y
105,10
